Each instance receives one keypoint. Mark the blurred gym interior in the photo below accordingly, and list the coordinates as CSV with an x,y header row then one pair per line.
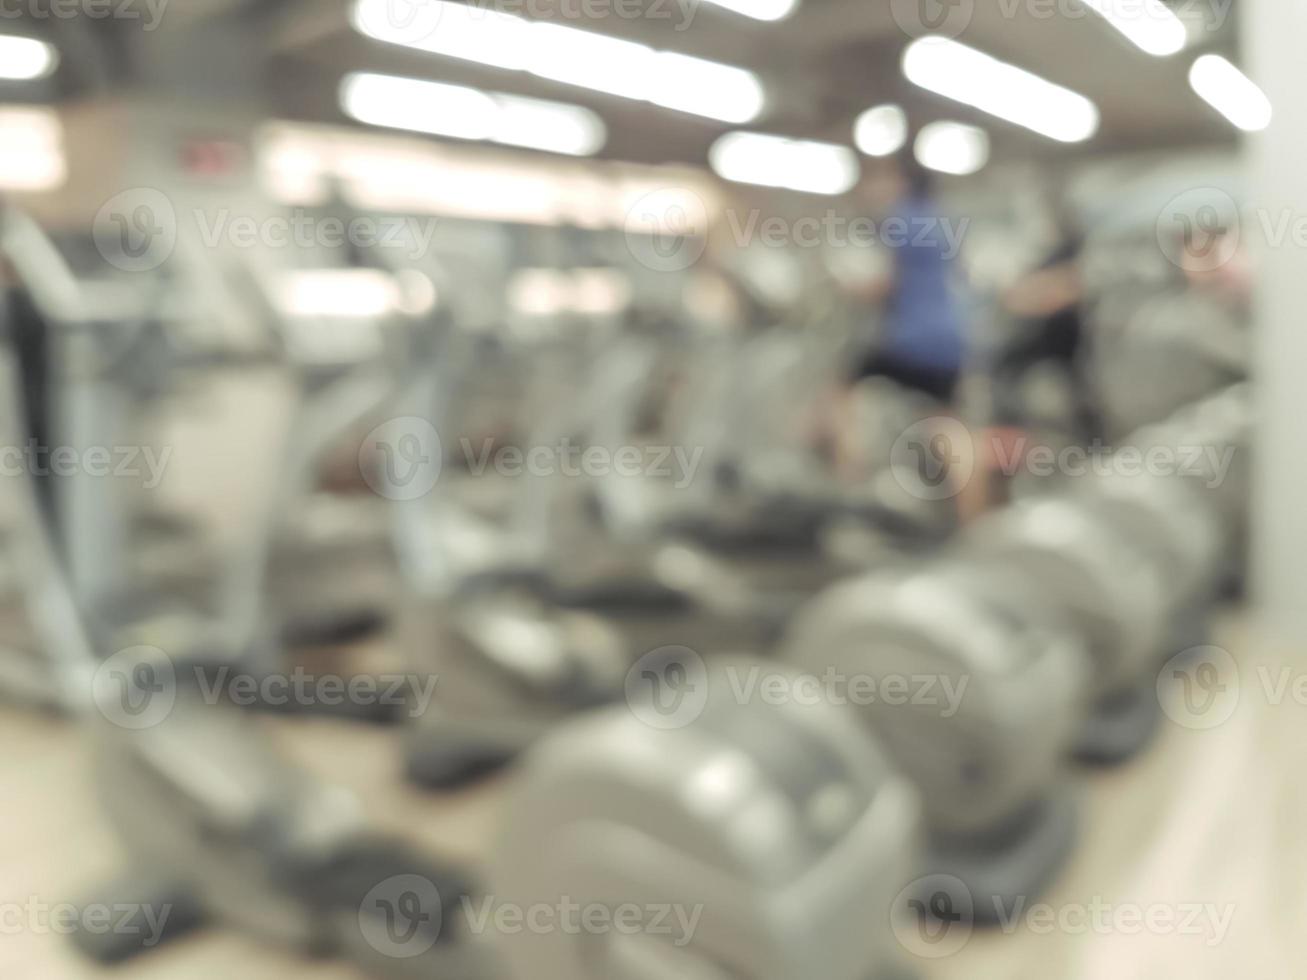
x,y
641,489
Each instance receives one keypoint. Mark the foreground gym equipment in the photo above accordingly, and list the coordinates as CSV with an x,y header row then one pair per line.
x,y
1055,559
976,707
45,659
218,830
780,829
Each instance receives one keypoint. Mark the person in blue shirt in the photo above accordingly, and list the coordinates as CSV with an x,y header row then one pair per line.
x,y
923,343
921,346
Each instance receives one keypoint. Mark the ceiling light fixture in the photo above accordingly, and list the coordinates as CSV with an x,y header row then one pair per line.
x,y
574,57
776,161
24,59
1231,93
952,148
470,114
881,130
974,78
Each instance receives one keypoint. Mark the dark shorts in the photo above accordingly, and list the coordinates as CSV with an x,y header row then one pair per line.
x,y
941,384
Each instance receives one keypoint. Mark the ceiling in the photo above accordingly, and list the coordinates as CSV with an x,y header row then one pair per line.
x,y
820,67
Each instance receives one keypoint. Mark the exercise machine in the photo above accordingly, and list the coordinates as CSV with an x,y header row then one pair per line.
x,y
976,707
774,841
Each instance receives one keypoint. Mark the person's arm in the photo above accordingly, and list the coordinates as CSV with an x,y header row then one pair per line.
x,y
1043,292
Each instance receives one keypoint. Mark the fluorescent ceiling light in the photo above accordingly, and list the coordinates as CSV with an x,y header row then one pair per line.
x,y
775,161
466,113
952,148
574,57
585,292
25,58
759,9
881,130
1231,93
974,78
31,150
1150,25
380,171
338,293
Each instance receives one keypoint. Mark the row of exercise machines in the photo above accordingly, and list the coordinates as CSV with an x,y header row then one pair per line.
x,y
793,824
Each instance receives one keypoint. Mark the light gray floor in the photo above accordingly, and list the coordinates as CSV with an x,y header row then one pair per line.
x,y
1206,817
1209,817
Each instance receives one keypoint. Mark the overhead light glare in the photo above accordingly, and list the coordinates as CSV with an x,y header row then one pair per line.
x,y
572,57
32,154
1149,25
961,73
777,161
1231,93
768,10
24,59
881,130
952,148
466,113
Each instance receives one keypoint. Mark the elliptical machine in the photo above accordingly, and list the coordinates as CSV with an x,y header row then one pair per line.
x,y
977,707
772,841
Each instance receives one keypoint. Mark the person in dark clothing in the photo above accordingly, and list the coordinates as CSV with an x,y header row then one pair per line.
x,y
1046,303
